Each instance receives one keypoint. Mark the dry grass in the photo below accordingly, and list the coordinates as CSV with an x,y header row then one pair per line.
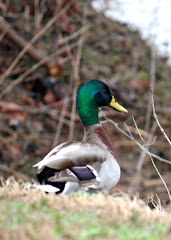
x,y
116,208
33,213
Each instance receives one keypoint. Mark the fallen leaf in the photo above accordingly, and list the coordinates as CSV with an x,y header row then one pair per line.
x,y
28,100
12,110
49,97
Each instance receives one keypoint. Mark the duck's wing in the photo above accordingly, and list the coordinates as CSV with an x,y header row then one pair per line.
x,y
71,154
86,176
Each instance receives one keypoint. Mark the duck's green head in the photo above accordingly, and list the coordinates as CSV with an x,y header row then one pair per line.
x,y
90,97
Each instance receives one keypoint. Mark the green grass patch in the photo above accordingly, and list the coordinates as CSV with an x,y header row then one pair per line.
x,y
17,216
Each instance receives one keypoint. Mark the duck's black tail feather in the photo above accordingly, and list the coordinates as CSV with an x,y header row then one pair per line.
x,y
45,174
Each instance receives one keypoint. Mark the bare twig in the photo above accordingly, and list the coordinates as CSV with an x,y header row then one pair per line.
x,y
32,52
39,12
160,176
46,59
147,127
69,53
148,117
32,69
151,97
134,73
137,174
135,141
77,78
74,35
13,172
77,82
19,41
3,34
34,39
46,108
152,82
154,163
133,130
156,117
149,141
60,124
145,149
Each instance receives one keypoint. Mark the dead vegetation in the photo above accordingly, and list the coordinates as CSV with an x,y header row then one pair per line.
x,y
39,209
119,207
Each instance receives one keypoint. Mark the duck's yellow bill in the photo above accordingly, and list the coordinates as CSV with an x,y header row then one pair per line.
x,y
117,106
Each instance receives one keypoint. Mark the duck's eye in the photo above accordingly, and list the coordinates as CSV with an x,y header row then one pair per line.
x,y
104,90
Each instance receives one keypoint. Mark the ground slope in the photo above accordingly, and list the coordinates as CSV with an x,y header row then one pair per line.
x,y
27,213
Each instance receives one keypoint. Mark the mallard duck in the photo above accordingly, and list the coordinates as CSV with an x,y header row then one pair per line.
x,y
90,164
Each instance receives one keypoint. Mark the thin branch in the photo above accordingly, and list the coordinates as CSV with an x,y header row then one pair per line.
x,y
3,34
165,185
77,81
143,155
133,130
156,117
60,124
70,56
74,35
145,149
32,69
135,141
19,41
46,59
149,140
13,172
154,163
152,82
32,52
34,39
134,74
151,94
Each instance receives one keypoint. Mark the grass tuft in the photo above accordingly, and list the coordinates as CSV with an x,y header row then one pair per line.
x,y
28,213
